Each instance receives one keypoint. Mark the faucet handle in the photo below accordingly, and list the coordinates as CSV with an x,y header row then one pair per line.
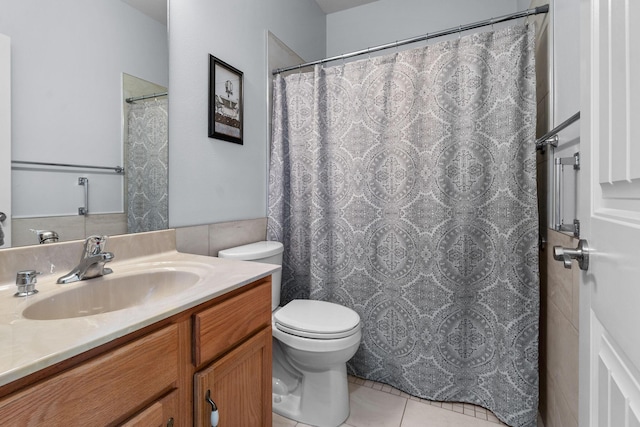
x,y
26,282
94,245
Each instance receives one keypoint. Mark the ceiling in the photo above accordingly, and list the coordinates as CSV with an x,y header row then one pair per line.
x,y
331,6
157,9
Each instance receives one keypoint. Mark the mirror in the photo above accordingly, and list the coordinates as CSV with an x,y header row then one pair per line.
x,y
73,64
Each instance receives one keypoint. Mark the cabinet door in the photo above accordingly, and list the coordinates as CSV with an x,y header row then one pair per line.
x,y
240,385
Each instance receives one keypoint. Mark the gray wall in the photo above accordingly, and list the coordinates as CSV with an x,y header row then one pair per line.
x,y
215,181
212,180
386,21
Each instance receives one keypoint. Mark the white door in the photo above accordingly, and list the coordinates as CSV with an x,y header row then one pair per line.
x,y
610,213
5,140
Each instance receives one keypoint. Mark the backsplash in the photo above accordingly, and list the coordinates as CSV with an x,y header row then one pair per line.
x,y
58,258
209,239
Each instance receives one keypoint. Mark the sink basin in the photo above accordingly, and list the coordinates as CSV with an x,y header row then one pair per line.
x,y
112,292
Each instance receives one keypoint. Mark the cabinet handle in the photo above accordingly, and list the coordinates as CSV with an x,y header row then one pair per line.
x,y
214,410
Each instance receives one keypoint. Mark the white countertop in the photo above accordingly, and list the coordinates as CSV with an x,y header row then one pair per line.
x,y
27,346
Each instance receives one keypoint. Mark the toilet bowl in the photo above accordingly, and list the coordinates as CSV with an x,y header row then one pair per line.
x,y
312,341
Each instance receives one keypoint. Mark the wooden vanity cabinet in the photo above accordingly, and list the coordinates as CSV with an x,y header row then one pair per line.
x,y
158,376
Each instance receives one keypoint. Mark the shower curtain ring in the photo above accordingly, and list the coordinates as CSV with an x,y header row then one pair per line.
x,y
459,32
492,28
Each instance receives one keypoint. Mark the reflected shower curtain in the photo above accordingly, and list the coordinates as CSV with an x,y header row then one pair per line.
x,y
404,187
147,154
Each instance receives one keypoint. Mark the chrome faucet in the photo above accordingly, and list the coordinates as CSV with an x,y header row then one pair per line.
x,y
92,261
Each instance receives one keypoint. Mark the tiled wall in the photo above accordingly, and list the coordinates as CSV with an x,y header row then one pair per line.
x,y
560,292
210,238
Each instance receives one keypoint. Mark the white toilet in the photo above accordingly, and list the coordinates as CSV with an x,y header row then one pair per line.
x,y
312,341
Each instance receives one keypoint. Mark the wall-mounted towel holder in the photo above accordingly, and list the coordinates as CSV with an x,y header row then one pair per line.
x,y
558,181
84,210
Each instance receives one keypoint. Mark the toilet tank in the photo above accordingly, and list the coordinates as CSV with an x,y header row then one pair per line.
x,y
267,252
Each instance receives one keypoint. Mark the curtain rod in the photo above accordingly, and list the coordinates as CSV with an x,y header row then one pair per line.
x,y
140,98
551,137
454,30
116,169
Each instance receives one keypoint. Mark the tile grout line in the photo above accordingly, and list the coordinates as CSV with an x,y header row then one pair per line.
x,y
487,415
404,410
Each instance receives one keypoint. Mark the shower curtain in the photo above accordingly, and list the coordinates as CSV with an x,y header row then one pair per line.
x,y
147,154
404,187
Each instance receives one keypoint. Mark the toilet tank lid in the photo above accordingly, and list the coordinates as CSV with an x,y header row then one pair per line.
x,y
251,251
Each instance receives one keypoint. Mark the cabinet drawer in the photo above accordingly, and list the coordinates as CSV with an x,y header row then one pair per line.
x,y
228,323
108,388
158,414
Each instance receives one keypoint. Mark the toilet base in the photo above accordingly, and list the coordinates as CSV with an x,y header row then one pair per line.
x,y
326,399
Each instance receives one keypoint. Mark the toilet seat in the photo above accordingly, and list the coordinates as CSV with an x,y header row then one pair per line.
x,y
317,320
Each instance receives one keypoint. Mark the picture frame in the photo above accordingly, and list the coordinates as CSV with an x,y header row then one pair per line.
x,y
225,101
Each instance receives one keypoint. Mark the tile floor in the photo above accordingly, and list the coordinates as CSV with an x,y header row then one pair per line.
x,y
379,405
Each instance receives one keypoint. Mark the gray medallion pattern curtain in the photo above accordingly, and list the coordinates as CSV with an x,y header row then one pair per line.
x,y
404,187
147,154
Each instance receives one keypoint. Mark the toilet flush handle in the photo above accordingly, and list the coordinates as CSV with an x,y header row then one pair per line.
x,y
214,410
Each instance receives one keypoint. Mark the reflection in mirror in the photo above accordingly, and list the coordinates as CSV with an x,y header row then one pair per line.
x,y
146,154
68,60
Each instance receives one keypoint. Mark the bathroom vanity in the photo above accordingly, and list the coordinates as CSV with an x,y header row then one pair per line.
x,y
152,364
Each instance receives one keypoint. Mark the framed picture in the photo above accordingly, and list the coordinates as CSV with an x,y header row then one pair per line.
x,y
225,101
